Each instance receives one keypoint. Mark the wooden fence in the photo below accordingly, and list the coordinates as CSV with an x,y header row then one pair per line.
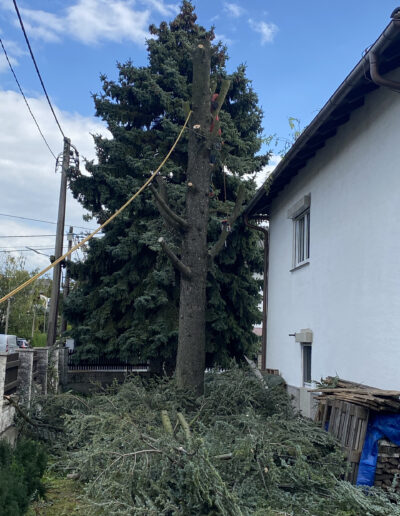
x,y
348,423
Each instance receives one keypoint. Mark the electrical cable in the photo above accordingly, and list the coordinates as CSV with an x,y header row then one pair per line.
x,y
110,219
44,221
26,102
28,236
36,66
12,250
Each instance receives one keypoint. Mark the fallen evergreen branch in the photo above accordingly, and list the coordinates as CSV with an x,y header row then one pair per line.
x,y
244,453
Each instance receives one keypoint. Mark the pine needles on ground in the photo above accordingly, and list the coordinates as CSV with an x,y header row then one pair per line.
x,y
147,448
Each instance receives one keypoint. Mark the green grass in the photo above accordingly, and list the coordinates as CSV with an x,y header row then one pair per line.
x,y
62,498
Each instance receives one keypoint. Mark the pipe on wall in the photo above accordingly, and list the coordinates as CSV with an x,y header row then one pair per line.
x,y
377,77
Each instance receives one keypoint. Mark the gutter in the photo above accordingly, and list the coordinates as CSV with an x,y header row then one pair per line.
x,y
335,100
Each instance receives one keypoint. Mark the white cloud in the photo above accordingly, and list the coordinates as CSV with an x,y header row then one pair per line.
x,y
268,169
233,9
223,38
29,186
13,50
93,21
3,62
267,30
163,8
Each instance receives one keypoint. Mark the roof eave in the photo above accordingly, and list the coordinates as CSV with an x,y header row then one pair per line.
x,y
349,84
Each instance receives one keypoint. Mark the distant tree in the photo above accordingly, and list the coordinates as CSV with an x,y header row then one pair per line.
x,y
24,304
126,301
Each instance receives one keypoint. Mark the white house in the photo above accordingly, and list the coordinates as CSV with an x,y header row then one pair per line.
x,y
333,206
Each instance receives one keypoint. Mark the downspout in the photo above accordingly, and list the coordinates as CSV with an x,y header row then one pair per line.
x,y
265,290
374,61
377,77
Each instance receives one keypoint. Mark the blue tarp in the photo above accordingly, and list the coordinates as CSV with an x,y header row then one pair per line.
x,y
379,426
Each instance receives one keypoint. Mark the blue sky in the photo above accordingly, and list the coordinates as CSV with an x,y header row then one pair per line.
x,y
297,54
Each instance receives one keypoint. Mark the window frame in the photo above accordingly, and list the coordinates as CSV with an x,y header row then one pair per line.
x,y
306,364
301,239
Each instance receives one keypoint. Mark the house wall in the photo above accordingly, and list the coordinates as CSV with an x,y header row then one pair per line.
x,y
349,293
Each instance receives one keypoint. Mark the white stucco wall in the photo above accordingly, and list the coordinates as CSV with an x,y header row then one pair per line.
x,y
349,294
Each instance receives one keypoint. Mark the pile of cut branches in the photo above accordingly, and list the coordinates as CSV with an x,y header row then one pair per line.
x,y
148,448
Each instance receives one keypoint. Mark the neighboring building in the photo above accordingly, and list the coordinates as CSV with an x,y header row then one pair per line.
x,y
333,206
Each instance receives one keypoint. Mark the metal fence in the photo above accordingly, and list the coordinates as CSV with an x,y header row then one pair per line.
x,y
103,365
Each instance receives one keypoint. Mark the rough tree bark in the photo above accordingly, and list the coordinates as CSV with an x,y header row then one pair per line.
x,y
195,257
192,307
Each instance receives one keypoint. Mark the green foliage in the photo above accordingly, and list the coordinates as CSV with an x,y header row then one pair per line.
x,y
247,453
126,300
21,470
23,304
39,340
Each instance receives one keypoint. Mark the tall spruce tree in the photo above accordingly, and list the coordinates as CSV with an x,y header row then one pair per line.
x,y
126,300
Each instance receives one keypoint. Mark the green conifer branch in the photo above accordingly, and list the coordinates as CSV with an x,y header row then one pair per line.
x,y
218,246
166,422
184,424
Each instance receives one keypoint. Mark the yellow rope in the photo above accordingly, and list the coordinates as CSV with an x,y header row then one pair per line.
x,y
77,246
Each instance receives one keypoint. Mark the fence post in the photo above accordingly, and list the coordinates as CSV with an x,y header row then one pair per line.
x,y
25,379
53,372
43,362
63,366
3,364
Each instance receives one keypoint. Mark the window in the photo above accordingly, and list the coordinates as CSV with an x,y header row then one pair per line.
x,y
301,239
306,358
300,215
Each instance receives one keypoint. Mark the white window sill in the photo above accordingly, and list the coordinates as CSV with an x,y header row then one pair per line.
x,y
300,265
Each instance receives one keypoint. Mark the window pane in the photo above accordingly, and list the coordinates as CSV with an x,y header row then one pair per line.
x,y
306,363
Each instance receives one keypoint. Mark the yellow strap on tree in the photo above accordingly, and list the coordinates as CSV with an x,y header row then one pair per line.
x,y
77,246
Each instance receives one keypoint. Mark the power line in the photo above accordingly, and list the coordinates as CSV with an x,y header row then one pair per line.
x,y
44,221
26,250
26,236
26,102
36,66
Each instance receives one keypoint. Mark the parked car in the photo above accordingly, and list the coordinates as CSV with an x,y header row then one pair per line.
x,y
8,343
22,343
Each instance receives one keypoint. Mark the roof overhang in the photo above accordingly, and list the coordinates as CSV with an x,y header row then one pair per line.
x,y
349,96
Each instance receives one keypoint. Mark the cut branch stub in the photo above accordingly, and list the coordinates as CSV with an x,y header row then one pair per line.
x,y
219,244
170,217
176,262
220,100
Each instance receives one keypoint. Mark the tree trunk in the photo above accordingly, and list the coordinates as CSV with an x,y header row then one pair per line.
x,y
191,339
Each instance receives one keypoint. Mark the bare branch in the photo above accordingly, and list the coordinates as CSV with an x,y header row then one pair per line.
x,y
256,371
220,100
25,416
219,244
170,217
176,262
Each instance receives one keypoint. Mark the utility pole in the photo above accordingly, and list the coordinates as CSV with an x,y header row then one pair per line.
x,y
55,291
70,238
8,314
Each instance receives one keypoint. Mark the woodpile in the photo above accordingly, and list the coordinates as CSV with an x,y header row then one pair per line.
x,y
369,397
388,466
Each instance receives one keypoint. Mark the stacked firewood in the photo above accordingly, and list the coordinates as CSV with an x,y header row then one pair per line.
x,y
369,397
388,466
